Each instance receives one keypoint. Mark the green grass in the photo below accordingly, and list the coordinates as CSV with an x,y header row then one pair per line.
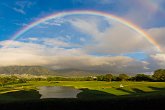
x,y
91,89
95,95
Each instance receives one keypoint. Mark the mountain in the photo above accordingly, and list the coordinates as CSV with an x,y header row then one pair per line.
x,y
39,70
75,72
35,70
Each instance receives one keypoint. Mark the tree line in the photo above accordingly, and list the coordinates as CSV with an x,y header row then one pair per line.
x,y
159,75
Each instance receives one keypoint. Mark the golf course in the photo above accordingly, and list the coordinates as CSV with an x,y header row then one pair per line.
x,y
94,94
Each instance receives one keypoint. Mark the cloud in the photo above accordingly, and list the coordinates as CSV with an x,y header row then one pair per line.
x,y
116,39
158,35
33,39
21,53
113,64
25,3
39,48
86,25
142,13
21,24
55,42
17,44
159,58
20,6
156,61
145,13
54,22
19,10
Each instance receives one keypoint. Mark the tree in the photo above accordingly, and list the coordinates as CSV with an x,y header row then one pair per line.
x,y
4,80
142,77
115,78
108,77
13,79
159,75
123,77
101,78
21,80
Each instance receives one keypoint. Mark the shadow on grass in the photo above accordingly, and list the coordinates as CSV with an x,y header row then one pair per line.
x,y
136,90
93,94
88,99
20,95
156,88
133,92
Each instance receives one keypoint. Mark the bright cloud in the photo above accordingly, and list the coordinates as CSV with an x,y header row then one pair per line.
x,y
20,53
159,59
114,39
54,22
55,42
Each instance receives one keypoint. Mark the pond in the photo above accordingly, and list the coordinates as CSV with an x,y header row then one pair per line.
x,y
58,92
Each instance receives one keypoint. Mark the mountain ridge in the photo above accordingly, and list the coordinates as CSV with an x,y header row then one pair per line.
x,y
40,70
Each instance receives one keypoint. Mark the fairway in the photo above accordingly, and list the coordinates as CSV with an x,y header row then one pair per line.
x,y
133,95
90,89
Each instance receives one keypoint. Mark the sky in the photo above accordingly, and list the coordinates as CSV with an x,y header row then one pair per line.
x,y
83,41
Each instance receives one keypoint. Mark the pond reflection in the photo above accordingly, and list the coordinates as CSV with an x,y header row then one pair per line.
x,y
58,92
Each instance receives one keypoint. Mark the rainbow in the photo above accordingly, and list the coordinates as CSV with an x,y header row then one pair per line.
x,y
61,14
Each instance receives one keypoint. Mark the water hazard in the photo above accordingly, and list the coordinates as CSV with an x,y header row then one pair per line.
x,y
58,92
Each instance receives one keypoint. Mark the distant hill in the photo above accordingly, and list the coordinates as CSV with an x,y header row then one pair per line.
x,y
39,70
75,72
34,70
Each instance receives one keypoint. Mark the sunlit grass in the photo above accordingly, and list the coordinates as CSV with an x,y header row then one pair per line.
x,y
110,87
93,89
